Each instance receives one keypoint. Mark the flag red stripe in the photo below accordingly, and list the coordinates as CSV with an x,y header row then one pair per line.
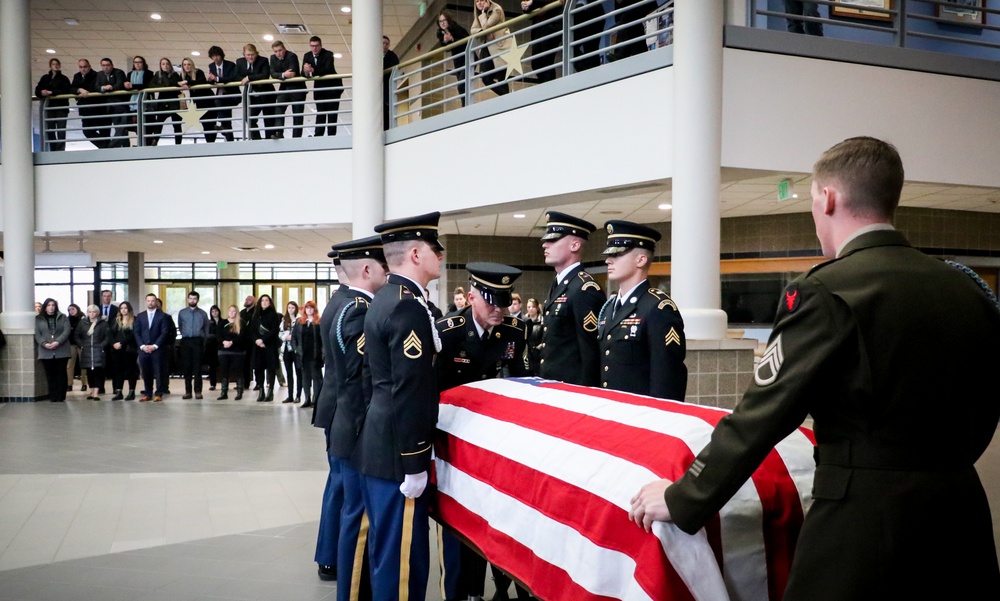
x,y
600,521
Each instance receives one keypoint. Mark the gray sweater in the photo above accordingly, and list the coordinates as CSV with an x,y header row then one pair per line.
x,y
45,334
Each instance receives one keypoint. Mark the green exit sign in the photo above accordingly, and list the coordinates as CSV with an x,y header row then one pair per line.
x,y
222,264
786,191
423,8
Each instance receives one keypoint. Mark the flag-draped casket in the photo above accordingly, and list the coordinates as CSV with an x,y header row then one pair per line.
x,y
539,476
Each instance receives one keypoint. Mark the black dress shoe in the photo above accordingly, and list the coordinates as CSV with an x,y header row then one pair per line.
x,y
327,573
118,396
186,396
131,396
306,405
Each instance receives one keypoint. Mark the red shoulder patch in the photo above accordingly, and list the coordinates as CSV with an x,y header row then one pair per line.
x,y
791,299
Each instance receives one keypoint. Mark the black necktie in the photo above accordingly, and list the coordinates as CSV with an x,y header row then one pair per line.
x,y
486,335
616,307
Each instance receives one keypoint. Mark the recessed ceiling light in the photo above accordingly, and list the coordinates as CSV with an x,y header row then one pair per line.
x,y
518,215
345,9
338,55
157,241
195,53
72,21
268,37
611,212
268,246
50,50
155,16
665,207
204,252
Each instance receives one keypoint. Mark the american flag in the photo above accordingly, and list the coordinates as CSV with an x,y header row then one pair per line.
x,y
539,475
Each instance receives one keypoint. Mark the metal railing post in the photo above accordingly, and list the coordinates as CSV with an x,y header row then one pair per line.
x,y
393,96
41,125
751,13
567,40
246,112
469,70
140,120
901,24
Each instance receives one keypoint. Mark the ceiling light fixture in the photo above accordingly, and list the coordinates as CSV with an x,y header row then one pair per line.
x,y
204,252
155,16
269,246
268,37
72,21
665,207
195,53
518,215
345,9
338,55
157,241
50,50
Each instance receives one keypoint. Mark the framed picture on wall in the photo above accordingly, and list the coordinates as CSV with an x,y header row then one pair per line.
x,y
855,9
962,12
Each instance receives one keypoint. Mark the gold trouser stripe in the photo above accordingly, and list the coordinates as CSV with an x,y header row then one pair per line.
x,y
440,530
359,557
404,549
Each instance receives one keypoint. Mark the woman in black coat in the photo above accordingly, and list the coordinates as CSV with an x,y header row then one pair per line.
x,y
139,78
309,348
264,334
215,323
204,100
448,32
54,114
94,334
123,353
232,345
166,102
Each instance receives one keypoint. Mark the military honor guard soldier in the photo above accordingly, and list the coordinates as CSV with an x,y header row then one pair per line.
x,y
640,329
478,343
363,264
393,451
569,338
326,404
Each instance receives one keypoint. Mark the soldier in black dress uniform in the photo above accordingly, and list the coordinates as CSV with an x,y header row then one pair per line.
x,y
569,339
393,452
478,343
363,264
640,329
893,354
323,411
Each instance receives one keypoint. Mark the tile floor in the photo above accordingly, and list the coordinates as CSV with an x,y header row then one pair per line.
x,y
179,501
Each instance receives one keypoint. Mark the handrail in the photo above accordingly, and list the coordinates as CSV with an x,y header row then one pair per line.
x,y
201,86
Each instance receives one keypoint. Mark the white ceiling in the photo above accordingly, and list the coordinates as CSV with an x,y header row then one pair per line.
x,y
120,29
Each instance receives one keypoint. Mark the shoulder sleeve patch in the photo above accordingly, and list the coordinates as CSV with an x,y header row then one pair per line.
x,y
666,303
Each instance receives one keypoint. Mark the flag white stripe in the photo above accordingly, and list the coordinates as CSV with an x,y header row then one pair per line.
x,y
608,477
596,569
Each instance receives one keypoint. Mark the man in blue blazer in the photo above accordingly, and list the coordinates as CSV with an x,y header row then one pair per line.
x,y
151,335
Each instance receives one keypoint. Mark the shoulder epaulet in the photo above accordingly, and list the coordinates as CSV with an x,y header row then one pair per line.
x,y
404,292
588,281
513,322
665,300
450,323
360,300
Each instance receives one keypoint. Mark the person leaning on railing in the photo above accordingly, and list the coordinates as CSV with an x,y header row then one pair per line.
x,y
254,67
54,83
166,101
543,25
486,14
449,32
632,29
586,23
138,78
221,71
93,113
326,92
285,65
203,99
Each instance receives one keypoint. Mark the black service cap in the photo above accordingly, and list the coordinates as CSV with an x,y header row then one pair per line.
x,y
561,224
362,248
421,227
494,281
623,236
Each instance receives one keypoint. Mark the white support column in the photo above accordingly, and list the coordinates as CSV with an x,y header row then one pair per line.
x,y
18,190
695,229
368,185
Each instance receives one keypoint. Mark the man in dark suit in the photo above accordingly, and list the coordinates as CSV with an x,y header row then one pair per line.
x,y
109,80
285,65
253,67
389,60
569,347
325,406
93,113
326,92
892,353
222,71
478,343
394,450
364,265
640,330
151,332
109,310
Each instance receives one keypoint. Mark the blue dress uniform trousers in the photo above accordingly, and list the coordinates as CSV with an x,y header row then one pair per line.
x,y
329,517
353,573
399,547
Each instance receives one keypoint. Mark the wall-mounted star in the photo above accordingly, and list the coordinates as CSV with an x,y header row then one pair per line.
x,y
192,117
513,57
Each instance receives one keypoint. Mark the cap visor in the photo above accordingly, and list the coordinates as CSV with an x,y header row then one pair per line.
x,y
552,236
616,250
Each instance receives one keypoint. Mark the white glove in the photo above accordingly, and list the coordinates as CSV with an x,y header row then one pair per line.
x,y
413,485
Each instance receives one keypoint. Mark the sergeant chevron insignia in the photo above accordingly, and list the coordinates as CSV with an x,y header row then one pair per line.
x,y
590,322
361,345
672,337
412,347
767,370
